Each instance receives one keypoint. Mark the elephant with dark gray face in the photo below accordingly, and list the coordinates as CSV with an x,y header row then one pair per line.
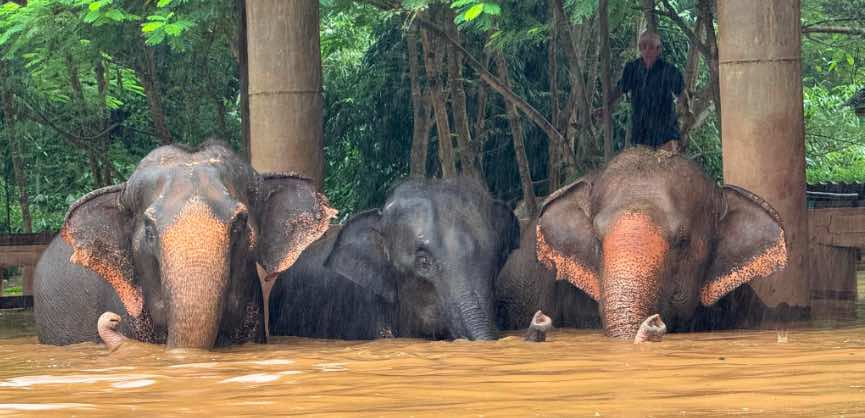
x,y
650,233
174,249
422,266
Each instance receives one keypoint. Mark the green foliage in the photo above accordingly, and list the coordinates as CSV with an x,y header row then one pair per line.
x,y
473,11
368,114
43,44
835,136
367,108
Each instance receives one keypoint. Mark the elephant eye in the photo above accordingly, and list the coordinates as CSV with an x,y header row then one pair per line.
x,y
424,263
149,230
239,224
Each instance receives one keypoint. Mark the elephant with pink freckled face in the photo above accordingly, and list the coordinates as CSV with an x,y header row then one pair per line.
x,y
648,234
174,251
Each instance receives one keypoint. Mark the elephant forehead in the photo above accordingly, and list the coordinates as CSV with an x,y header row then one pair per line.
x,y
195,235
636,244
214,179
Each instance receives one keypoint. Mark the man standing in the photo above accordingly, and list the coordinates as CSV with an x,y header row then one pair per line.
x,y
652,83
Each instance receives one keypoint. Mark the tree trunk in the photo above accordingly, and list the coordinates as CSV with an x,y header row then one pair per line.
x,y
243,70
419,138
519,143
536,117
480,119
685,111
103,142
15,151
708,17
605,77
579,102
147,75
553,149
8,195
445,149
458,102
285,99
649,15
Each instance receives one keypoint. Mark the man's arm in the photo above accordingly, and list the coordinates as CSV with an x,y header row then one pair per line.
x,y
617,93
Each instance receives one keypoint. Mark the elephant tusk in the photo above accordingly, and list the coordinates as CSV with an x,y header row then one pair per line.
x,y
264,275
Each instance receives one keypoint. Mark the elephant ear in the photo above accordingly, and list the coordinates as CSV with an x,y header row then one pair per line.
x,y
507,230
751,244
565,240
292,214
98,229
359,255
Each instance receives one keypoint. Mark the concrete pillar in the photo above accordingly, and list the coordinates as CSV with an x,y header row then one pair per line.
x,y
285,94
762,124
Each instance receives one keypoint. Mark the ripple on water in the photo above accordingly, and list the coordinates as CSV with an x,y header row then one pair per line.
x,y
27,381
132,384
42,406
331,367
208,365
253,378
272,362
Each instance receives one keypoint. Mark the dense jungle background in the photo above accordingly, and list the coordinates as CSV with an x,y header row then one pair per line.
x,y
90,86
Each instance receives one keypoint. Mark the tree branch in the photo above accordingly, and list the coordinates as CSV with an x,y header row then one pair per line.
x,y
77,140
496,84
671,14
846,30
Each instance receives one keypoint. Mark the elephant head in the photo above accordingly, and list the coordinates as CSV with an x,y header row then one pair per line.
x,y
179,240
651,233
434,249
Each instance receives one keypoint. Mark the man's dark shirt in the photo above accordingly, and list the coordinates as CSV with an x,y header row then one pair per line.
x,y
653,116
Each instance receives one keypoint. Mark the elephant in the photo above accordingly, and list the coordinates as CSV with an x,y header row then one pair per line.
x,y
423,266
649,233
175,250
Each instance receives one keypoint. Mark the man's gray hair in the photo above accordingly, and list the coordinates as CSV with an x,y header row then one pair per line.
x,y
653,37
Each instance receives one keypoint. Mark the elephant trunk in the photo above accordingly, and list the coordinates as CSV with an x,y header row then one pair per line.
x,y
195,271
634,251
196,309
474,316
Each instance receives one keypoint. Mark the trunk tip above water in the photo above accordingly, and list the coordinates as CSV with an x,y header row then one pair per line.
x,y
538,327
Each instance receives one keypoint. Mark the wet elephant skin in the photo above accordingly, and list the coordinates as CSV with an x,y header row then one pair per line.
x,y
649,233
173,250
421,266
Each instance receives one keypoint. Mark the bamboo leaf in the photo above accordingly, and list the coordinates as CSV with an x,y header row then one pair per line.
x,y
474,11
151,26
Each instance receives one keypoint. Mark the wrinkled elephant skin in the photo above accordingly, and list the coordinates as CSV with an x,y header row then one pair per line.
x,y
422,266
174,249
650,233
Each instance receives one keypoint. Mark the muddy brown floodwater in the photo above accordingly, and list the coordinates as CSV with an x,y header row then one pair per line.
x,y
816,372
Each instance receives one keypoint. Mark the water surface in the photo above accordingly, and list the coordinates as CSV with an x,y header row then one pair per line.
x,y
816,372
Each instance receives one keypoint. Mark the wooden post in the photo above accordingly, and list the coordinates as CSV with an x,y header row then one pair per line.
x,y
27,279
762,124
